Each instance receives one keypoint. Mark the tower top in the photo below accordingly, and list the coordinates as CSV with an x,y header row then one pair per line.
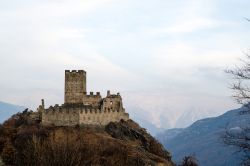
x,y
75,71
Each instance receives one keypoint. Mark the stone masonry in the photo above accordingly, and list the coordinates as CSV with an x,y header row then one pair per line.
x,y
82,108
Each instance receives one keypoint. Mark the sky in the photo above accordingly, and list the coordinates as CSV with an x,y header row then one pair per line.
x,y
166,58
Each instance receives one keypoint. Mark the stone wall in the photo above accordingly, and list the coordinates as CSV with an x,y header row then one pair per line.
x,y
97,117
61,116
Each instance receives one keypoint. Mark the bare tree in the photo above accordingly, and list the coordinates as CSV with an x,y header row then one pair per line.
x,y
241,85
241,88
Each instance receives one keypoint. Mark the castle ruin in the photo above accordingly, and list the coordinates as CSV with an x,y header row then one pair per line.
x,y
82,108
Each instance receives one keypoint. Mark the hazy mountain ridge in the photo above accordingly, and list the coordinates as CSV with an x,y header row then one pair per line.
x,y
6,110
169,134
204,139
194,114
182,120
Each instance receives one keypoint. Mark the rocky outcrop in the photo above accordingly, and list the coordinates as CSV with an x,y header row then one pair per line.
x,y
131,131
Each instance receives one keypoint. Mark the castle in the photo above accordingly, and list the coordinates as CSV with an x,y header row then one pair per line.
x,y
82,108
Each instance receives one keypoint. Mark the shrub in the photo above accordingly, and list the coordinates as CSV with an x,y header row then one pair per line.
x,y
189,161
8,153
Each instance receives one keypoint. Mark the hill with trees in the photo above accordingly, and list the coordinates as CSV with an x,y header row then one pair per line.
x,y
24,141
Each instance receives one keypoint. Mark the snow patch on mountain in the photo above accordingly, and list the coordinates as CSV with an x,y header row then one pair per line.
x,y
193,114
164,110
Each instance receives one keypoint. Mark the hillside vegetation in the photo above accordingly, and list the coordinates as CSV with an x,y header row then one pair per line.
x,y
26,142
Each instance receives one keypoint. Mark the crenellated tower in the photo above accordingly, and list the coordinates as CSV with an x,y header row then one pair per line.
x,y
75,86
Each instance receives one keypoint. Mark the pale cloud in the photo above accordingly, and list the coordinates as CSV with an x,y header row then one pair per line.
x,y
192,17
184,25
47,10
46,48
179,57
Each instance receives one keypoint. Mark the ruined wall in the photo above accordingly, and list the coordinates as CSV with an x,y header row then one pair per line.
x,y
112,102
75,86
91,99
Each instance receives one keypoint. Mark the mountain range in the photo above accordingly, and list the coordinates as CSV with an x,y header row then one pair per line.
x,y
205,139
181,121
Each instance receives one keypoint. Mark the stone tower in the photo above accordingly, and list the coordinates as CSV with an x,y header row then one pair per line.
x,y
75,86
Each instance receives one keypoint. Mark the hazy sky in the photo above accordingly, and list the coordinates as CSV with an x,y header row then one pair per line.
x,y
165,57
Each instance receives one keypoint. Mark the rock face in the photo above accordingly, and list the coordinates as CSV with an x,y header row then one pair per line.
x,y
131,131
118,143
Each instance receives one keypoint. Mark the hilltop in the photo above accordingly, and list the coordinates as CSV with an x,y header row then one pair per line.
x,y
23,141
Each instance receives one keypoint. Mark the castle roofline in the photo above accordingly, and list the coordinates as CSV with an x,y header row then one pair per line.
x,y
75,71
75,105
113,96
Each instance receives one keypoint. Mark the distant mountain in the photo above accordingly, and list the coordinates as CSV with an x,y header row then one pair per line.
x,y
184,120
7,110
139,115
150,127
168,134
204,139
193,114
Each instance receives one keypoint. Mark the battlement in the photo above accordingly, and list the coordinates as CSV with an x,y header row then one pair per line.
x,y
91,94
81,110
109,95
75,71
